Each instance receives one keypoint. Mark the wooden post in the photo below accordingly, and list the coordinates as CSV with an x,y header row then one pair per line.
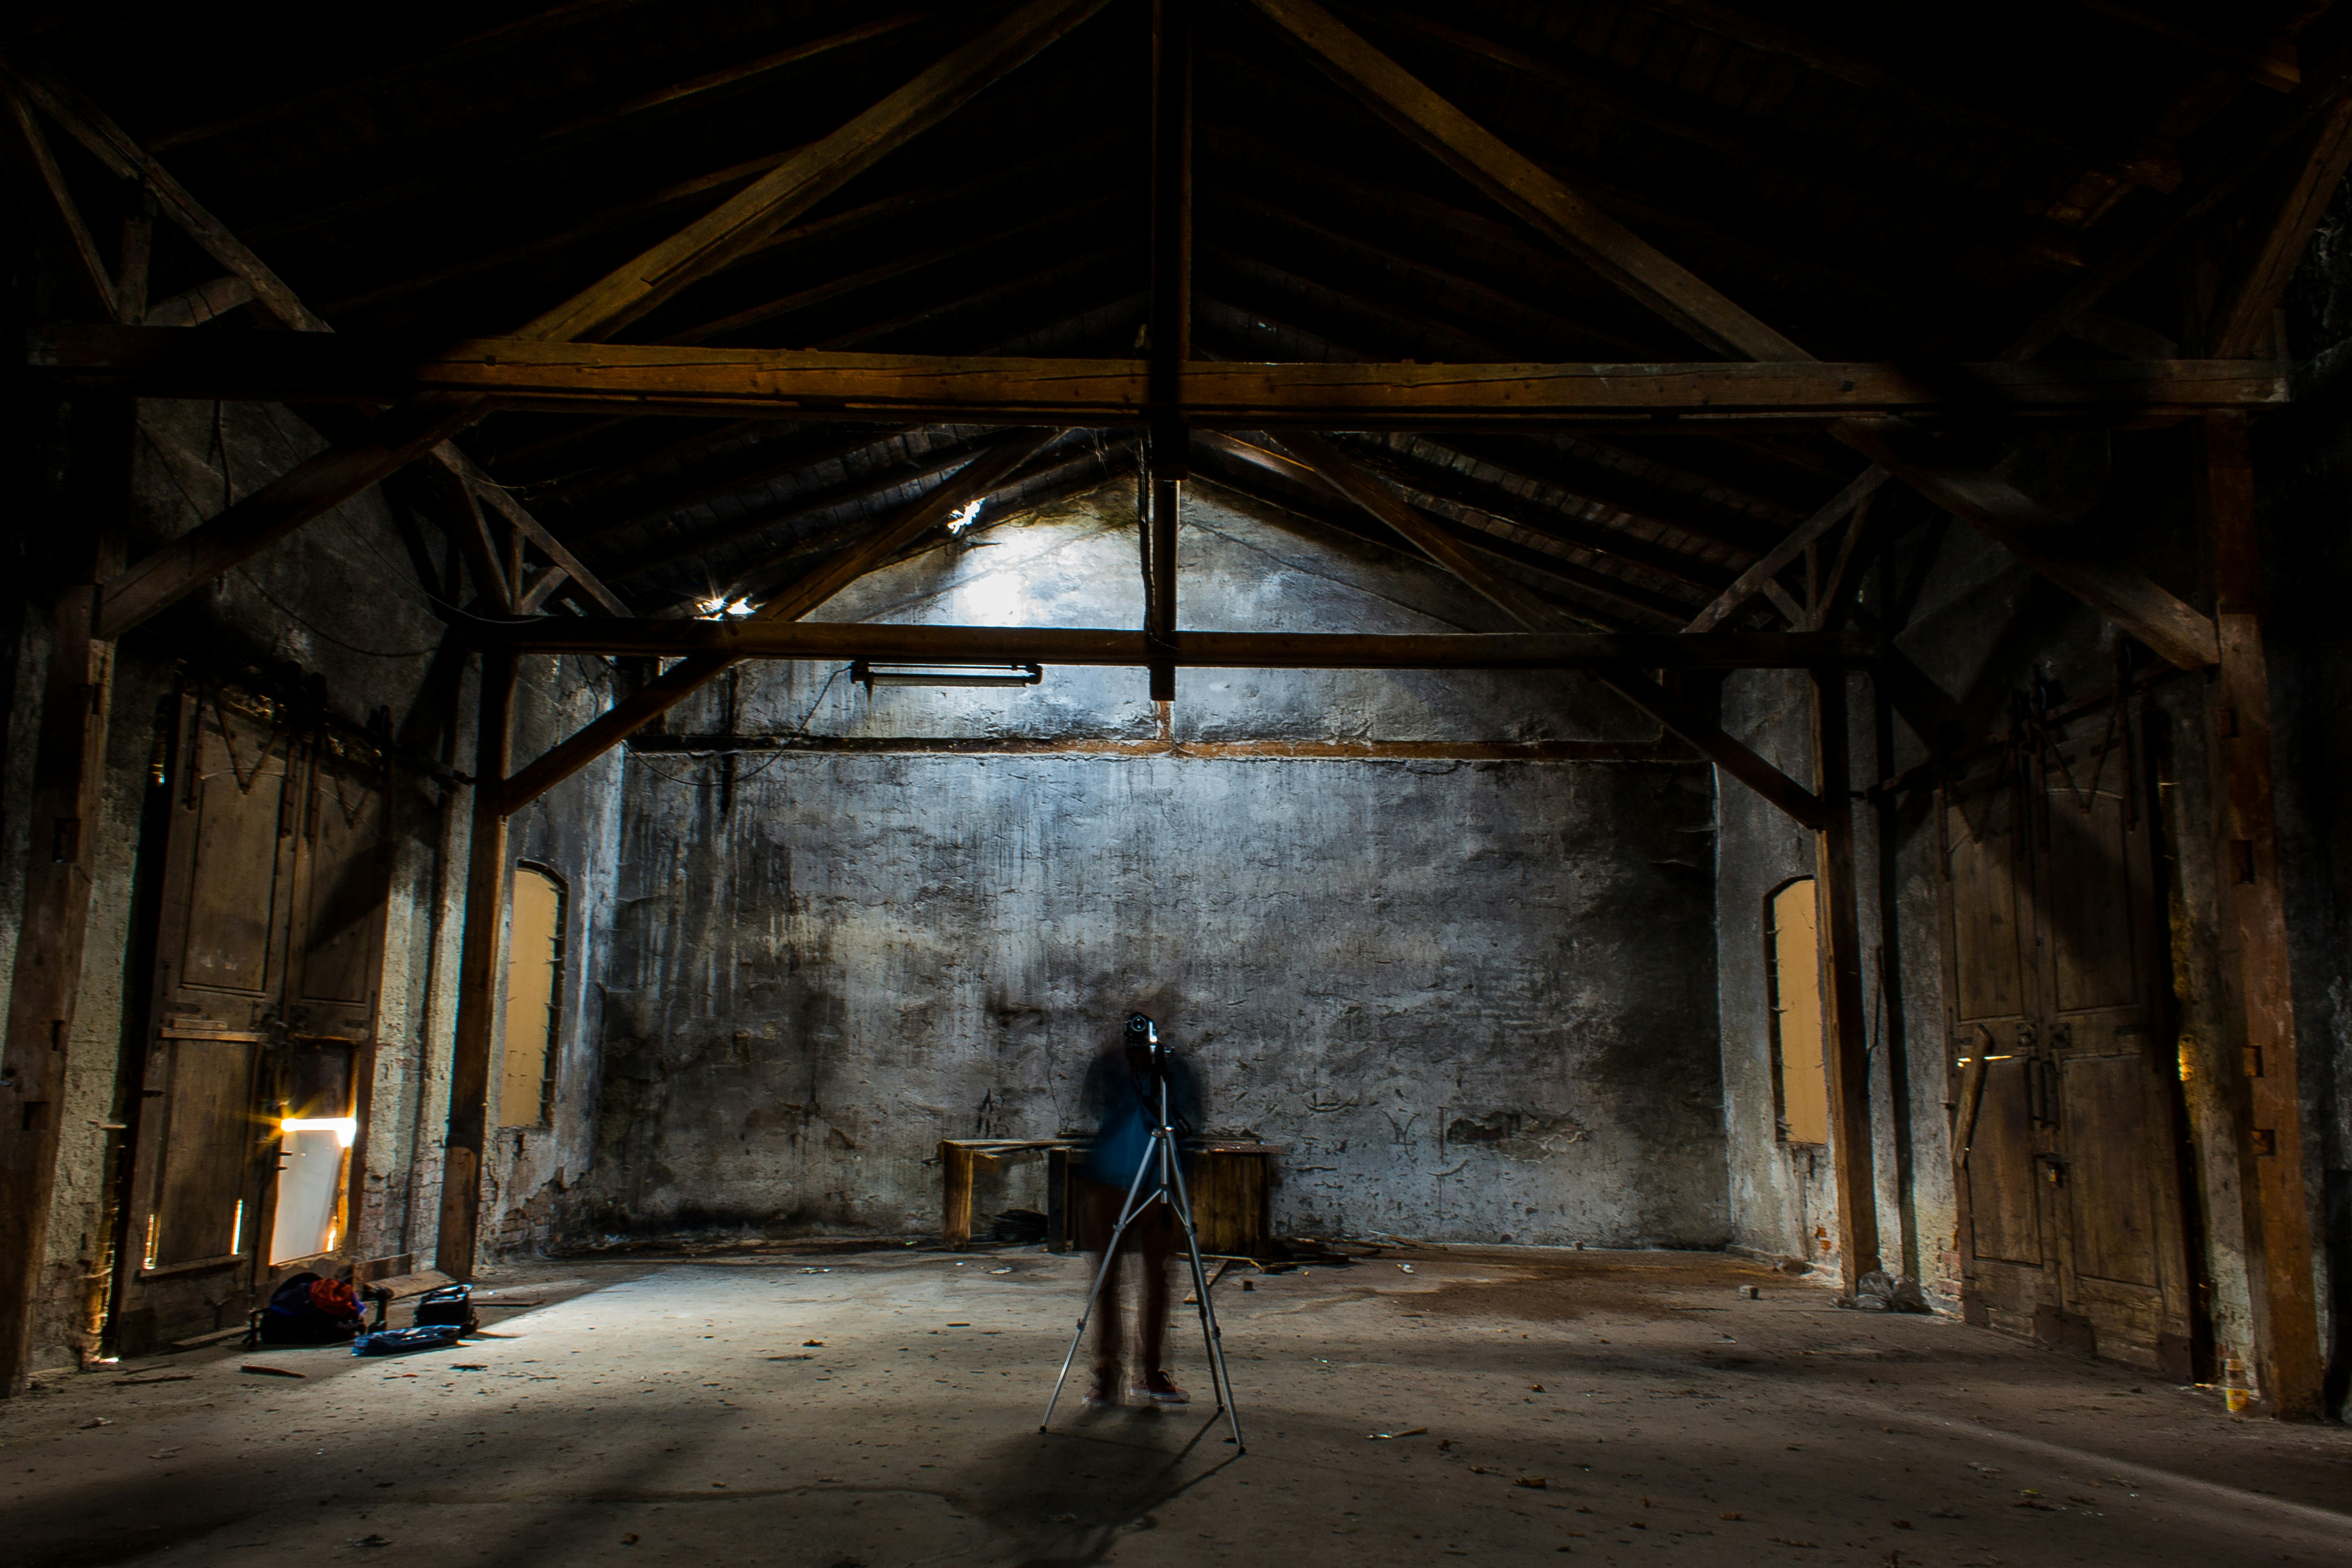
x,y
478,974
1168,457
1847,1057
2284,1299
67,795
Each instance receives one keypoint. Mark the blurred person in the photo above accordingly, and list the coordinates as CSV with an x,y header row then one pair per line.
x,y
1122,1101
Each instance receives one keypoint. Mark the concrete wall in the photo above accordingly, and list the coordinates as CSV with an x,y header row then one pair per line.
x,y
1472,999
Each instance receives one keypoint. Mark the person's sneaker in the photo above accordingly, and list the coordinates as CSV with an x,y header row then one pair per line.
x,y
1103,1392
1160,1389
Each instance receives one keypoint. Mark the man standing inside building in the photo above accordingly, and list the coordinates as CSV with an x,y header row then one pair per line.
x,y
1122,1100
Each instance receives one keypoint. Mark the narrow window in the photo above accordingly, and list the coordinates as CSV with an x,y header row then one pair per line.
x,y
1793,971
534,999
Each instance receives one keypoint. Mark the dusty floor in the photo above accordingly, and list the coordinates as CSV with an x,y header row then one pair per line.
x,y
881,1408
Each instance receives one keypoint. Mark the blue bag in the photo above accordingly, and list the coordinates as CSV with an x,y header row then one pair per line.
x,y
399,1342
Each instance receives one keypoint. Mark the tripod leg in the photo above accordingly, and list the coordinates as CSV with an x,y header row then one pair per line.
x,y
1221,1379
1128,1211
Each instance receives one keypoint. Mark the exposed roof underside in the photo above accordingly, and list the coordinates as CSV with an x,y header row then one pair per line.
x,y
1879,182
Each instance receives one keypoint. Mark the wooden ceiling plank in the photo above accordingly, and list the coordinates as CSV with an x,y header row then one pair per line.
x,y
2267,254
2271,66
1418,479
1338,470
736,530
1584,579
1527,191
742,223
737,72
1956,210
2142,160
1752,582
2215,183
505,35
690,674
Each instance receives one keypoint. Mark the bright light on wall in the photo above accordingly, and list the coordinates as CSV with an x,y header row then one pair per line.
x,y
965,517
345,1128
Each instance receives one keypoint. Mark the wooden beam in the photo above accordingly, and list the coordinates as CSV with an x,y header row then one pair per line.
x,y
2256,951
801,384
742,223
1844,1025
84,270
1533,195
2268,254
481,552
481,942
2037,536
1752,582
690,674
841,641
1684,719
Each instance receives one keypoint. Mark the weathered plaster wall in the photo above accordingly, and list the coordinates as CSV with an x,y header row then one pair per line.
x,y
1471,999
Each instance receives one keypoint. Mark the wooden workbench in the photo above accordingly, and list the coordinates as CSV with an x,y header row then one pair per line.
x,y
1231,1182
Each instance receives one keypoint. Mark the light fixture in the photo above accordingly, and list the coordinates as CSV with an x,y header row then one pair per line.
x,y
870,673
965,516
724,609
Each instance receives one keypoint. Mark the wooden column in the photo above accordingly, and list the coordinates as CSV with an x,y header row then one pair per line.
x,y
1167,454
2254,958
479,973
1847,1056
67,795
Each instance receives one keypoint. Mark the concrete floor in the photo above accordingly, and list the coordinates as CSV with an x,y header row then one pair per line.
x,y
879,1408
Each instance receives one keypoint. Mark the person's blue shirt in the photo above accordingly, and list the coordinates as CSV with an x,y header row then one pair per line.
x,y
1124,1105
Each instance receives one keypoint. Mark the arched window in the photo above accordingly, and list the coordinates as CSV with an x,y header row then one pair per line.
x,y
1793,981
534,998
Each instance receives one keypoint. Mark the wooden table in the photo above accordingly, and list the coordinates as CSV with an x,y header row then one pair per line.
x,y
1232,1183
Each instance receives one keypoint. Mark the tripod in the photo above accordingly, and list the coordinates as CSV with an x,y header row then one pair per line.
x,y
1160,1164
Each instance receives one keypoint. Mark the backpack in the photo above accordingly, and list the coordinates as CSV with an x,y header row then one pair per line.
x,y
308,1310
